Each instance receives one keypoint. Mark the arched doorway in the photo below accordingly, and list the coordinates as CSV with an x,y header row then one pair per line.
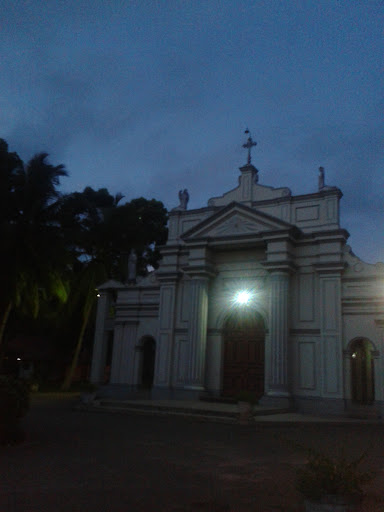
x,y
244,340
148,362
362,372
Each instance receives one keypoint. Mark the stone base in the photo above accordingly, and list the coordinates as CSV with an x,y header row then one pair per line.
x,y
372,411
123,392
127,392
159,393
281,402
320,406
379,405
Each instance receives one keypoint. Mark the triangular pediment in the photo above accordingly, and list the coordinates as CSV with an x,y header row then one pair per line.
x,y
236,220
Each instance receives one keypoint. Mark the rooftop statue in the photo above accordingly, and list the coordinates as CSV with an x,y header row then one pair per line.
x,y
183,198
132,267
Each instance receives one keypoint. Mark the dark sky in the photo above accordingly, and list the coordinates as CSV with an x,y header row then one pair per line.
x,y
148,97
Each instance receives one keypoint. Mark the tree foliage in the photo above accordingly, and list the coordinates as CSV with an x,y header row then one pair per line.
x,y
33,256
58,248
102,233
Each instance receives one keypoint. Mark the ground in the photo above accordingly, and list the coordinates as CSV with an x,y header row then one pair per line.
x,y
119,462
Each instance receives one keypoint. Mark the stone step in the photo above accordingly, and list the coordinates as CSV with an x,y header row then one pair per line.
x,y
214,411
161,408
362,412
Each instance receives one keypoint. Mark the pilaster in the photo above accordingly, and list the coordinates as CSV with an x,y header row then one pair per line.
x,y
197,333
280,264
277,378
116,353
331,348
101,335
124,353
165,344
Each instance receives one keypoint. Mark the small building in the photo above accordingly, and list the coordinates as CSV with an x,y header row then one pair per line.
x,y
258,292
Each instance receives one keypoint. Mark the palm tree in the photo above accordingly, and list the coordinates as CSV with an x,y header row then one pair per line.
x,y
33,258
84,219
82,299
104,232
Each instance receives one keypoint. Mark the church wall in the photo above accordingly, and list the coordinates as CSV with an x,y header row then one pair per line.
x,y
181,341
235,270
316,332
124,353
305,312
165,342
306,368
331,346
305,325
305,333
183,304
311,213
182,221
307,213
363,286
360,326
308,286
148,327
180,362
280,210
137,310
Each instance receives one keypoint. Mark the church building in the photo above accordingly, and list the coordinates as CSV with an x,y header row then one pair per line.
x,y
257,292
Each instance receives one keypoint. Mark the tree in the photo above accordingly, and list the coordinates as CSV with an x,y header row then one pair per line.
x,y
33,258
10,169
105,233
82,299
140,224
83,220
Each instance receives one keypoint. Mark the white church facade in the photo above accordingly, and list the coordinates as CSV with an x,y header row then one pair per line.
x,y
256,292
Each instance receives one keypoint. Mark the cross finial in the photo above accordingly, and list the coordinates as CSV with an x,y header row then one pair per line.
x,y
248,145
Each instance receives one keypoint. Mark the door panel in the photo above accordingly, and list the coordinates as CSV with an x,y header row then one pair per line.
x,y
243,362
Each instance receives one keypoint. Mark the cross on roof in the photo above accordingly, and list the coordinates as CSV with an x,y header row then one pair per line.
x,y
248,145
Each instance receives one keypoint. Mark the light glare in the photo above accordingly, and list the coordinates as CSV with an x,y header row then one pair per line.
x,y
243,297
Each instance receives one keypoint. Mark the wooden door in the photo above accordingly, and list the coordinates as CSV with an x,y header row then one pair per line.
x,y
243,361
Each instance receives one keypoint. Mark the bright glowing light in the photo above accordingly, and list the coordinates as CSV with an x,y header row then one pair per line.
x,y
19,359
354,355
243,297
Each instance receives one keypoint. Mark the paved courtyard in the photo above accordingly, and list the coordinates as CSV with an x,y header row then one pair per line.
x,y
76,461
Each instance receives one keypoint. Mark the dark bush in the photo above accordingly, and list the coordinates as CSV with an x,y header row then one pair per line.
x,y
14,404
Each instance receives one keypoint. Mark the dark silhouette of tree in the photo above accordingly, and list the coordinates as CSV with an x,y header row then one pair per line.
x,y
102,233
33,257
56,249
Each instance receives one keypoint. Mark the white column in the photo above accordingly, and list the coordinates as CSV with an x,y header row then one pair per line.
x,y
165,342
117,353
100,341
277,384
197,333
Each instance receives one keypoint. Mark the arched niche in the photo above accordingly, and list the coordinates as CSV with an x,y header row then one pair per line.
x,y
362,356
147,348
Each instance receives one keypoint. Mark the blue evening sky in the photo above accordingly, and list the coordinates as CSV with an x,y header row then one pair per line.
x,y
148,97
